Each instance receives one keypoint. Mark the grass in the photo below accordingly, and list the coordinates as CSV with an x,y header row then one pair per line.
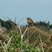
x,y
32,39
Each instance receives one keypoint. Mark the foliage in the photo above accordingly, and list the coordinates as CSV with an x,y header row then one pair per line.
x,y
9,24
31,40
16,40
2,22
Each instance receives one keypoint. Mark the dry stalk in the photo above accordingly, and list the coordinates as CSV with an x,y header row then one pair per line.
x,y
34,42
22,35
6,46
41,43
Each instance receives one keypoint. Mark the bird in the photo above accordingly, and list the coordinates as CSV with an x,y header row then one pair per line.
x,y
30,22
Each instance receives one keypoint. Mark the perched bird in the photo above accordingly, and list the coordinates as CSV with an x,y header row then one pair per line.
x,y
30,22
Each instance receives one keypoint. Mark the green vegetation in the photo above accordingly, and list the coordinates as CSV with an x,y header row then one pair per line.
x,y
37,38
